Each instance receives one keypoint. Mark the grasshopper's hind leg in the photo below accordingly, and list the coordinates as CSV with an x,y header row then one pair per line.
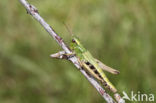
x,y
106,85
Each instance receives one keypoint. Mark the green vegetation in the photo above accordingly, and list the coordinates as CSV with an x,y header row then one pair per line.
x,y
121,33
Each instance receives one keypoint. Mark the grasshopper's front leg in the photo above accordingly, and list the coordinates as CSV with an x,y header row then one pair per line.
x,y
62,55
59,55
106,68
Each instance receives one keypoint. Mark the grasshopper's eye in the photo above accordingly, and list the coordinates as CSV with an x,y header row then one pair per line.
x,y
73,41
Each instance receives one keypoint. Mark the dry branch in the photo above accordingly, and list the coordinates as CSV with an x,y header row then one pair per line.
x,y
34,12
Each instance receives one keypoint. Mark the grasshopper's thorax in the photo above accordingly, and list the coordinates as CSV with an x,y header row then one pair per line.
x,y
77,47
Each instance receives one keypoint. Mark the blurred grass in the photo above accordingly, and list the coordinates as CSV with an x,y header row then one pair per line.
x,y
119,33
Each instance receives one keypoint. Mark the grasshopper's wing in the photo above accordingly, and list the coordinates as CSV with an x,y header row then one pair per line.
x,y
106,68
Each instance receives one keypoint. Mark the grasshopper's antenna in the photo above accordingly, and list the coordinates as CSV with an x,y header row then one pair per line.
x,y
69,30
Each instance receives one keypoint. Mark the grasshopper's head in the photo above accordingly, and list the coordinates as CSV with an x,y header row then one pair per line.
x,y
75,41
76,45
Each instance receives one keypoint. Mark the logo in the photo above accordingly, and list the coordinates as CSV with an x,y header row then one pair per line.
x,y
138,97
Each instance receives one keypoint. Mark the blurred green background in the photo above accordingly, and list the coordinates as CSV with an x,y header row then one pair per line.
x,y
120,33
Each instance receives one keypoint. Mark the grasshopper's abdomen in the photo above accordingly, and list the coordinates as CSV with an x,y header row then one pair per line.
x,y
100,76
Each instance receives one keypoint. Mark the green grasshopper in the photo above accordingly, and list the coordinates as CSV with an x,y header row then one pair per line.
x,y
93,66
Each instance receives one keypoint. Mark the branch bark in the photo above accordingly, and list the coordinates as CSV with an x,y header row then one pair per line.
x,y
34,12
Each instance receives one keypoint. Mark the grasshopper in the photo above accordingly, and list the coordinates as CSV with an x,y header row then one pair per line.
x,y
91,65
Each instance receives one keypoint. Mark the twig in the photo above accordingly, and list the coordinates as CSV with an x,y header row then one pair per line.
x,y
34,12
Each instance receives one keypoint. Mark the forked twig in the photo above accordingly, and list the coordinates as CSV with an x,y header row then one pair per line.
x,y
34,12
